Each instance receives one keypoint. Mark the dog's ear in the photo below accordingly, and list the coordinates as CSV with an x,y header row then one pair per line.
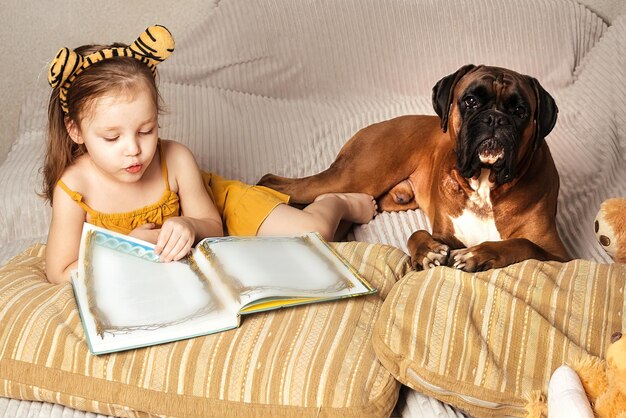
x,y
444,91
545,112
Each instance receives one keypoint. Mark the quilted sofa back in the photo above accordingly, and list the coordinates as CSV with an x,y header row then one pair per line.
x,y
333,49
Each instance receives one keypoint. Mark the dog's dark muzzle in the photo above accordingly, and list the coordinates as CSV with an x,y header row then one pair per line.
x,y
488,140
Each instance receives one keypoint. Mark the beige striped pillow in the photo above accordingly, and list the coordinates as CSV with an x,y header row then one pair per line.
x,y
484,342
314,360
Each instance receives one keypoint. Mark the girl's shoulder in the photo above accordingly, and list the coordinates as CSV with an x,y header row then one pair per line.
x,y
180,162
76,176
176,154
170,146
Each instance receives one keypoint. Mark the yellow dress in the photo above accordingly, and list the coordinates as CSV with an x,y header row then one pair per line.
x,y
243,207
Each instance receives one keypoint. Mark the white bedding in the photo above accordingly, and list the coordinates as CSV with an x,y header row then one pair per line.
x,y
278,86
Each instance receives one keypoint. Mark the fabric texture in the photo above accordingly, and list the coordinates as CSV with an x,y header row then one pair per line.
x,y
15,408
484,341
312,360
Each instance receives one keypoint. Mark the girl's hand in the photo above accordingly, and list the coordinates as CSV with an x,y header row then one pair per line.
x,y
175,239
147,232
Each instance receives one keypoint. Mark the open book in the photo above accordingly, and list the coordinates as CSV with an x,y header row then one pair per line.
x,y
128,299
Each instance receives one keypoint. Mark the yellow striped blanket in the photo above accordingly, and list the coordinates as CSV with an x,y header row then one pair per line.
x,y
484,342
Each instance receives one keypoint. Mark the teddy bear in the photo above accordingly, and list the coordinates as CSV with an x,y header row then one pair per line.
x,y
610,227
586,388
604,381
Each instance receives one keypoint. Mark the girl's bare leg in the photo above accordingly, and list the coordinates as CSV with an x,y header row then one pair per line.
x,y
323,215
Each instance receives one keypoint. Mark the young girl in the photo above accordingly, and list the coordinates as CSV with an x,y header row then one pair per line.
x,y
106,165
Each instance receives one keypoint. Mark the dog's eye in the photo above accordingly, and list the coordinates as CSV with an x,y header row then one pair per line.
x,y
470,102
520,111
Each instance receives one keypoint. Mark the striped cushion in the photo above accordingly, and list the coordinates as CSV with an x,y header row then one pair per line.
x,y
483,342
310,360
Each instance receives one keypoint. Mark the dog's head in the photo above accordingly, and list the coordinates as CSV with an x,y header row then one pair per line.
x,y
497,117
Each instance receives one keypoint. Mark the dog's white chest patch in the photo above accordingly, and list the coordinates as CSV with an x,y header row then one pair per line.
x,y
476,223
471,229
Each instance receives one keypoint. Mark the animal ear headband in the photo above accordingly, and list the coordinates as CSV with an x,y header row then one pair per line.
x,y
154,45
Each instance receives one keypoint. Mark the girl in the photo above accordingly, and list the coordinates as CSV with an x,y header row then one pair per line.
x,y
106,165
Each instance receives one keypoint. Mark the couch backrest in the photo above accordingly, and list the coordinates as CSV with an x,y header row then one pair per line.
x,y
330,49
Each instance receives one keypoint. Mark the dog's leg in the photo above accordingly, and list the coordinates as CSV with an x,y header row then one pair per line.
x,y
335,179
352,171
341,177
426,252
375,159
497,254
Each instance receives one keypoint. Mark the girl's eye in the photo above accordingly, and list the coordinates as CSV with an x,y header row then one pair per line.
x,y
111,139
147,132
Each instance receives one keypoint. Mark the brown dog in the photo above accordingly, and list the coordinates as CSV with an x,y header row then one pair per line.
x,y
481,171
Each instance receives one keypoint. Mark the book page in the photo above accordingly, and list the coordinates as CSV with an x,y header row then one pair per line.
x,y
127,298
280,267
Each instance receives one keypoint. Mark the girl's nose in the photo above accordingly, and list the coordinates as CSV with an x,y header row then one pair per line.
x,y
132,146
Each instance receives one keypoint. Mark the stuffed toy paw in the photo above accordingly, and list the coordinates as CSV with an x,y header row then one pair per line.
x,y
566,395
610,228
604,381
587,388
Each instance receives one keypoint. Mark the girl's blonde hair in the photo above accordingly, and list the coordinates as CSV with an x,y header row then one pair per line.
x,y
112,76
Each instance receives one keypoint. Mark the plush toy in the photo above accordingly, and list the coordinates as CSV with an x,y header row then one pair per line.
x,y
611,228
590,387
605,380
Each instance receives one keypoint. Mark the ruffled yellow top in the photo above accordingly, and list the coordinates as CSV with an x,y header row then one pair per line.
x,y
168,206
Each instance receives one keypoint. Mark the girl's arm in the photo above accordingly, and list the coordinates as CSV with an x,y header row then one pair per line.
x,y
199,216
63,237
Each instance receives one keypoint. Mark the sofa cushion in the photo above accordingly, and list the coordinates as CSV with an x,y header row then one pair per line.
x,y
313,360
484,342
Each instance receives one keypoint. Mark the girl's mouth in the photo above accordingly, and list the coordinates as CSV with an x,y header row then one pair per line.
x,y
135,168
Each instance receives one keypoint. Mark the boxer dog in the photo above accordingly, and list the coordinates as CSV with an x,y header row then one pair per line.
x,y
481,171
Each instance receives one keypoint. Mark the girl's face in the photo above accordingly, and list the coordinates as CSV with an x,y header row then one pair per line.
x,y
120,134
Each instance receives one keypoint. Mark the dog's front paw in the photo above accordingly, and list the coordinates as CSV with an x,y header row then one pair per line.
x,y
426,252
437,256
476,258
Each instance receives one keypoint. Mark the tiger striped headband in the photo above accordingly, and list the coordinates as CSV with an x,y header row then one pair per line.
x,y
154,45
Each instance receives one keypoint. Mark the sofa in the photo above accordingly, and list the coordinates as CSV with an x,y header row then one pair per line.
x,y
278,86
